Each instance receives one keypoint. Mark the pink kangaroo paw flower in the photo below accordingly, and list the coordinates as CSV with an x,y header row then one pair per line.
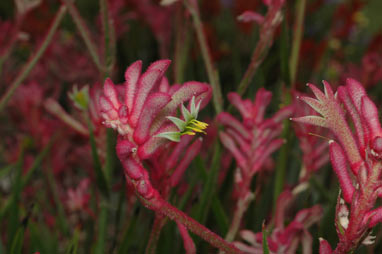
x,y
148,148
146,82
251,16
131,76
229,121
339,163
330,109
239,104
111,93
356,92
373,217
325,247
231,146
262,100
201,91
362,133
152,107
370,117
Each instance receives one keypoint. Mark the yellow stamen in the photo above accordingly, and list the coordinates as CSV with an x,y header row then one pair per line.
x,y
194,126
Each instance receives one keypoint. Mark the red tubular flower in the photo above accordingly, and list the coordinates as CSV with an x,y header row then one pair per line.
x,y
284,239
140,110
254,139
251,142
314,149
361,151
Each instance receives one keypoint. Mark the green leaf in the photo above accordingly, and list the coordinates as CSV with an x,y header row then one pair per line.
x,y
265,241
37,162
127,239
102,229
171,135
17,243
210,184
220,215
12,206
284,53
100,175
186,114
73,245
61,218
178,122
18,240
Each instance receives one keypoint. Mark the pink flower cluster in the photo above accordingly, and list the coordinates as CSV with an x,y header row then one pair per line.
x,y
253,140
138,110
284,239
355,157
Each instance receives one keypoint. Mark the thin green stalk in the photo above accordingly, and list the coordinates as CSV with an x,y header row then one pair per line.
x,y
108,33
24,179
282,160
18,240
61,218
12,208
34,58
209,185
85,34
118,217
74,242
109,51
211,71
12,42
101,179
297,36
265,240
127,236
182,43
37,162
102,228
293,62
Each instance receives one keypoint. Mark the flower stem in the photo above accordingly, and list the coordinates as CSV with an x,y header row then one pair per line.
x,y
33,59
297,36
159,222
293,62
53,107
211,71
364,202
241,207
197,228
85,34
108,33
267,30
182,44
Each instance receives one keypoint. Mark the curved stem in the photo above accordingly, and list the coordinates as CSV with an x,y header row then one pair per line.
x,y
195,227
33,59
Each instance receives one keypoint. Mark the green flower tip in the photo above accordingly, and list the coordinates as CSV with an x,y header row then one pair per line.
x,y
188,126
80,97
